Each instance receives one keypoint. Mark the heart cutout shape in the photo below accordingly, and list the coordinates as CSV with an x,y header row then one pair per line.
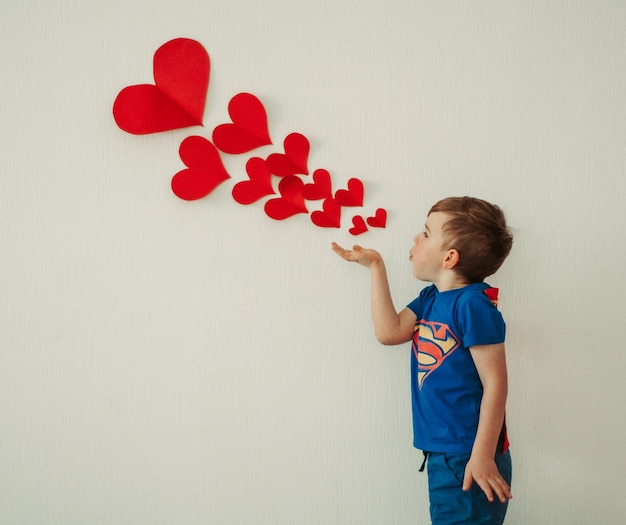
x,y
248,129
379,220
177,98
329,217
358,226
290,202
204,172
259,185
295,158
353,196
320,188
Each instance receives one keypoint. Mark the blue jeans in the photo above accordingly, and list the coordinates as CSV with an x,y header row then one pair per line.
x,y
450,505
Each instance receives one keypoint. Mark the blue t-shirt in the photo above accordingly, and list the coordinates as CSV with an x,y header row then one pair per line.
x,y
445,385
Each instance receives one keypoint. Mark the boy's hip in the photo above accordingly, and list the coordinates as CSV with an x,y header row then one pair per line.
x,y
449,504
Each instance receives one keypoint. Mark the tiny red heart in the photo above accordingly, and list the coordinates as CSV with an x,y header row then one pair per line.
x,y
358,226
295,158
330,217
353,196
379,220
259,185
320,188
204,172
248,129
290,202
176,99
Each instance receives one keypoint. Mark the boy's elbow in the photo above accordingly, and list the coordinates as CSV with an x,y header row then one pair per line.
x,y
382,340
395,332
387,339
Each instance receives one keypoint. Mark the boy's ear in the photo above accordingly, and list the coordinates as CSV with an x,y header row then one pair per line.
x,y
451,259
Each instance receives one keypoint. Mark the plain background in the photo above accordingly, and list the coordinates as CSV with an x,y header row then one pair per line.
x,y
172,362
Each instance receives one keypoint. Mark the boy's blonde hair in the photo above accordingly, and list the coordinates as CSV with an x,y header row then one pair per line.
x,y
477,230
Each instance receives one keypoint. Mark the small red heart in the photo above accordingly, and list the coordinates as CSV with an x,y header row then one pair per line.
x,y
205,169
379,220
353,196
176,100
290,202
330,217
359,226
320,188
248,129
259,185
295,158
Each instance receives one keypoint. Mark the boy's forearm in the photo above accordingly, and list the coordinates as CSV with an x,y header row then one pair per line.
x,y
490,362
390,327
384,314
491,419
481,467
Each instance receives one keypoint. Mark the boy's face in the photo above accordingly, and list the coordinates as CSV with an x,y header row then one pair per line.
x,y
428,254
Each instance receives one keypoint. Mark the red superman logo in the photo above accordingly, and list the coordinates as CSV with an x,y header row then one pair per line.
x,y
432,344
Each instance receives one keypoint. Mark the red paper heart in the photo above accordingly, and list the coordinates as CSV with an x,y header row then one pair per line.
x,y
176,99
290,202
259,185
330,217
379,220
295,158
205,169
353,196
248,129
359,226
320,188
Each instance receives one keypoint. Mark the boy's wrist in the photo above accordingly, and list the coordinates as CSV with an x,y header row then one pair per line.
x,y
483,452
377,265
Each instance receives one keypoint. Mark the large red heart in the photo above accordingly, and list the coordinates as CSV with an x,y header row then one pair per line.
x,y
295,158
176,99
248,129
320,188
358,226
204,172
379,220
290,202
353,196
259,185
330,217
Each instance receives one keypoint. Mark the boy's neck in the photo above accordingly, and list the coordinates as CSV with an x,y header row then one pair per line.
x,y
449,280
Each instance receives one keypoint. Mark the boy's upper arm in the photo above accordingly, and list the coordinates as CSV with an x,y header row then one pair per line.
x,y
405,329
490,361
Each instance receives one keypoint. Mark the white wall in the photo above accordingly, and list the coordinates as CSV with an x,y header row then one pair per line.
x,y
199,363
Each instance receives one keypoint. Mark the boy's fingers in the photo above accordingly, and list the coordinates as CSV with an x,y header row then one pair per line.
x,y
342,252
497,487
487,490
467,481
338,249
503,491
501,488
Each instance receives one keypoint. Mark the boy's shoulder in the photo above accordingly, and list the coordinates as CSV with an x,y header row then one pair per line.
x,y
478,294
481,288
473,296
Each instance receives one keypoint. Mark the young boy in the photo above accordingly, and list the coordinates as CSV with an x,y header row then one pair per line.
x,y
458,367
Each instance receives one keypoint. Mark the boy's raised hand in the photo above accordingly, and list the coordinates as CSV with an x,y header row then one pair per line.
x,y
363,256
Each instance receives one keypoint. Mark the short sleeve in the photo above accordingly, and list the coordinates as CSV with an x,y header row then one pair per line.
x,y
416,306
480,321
